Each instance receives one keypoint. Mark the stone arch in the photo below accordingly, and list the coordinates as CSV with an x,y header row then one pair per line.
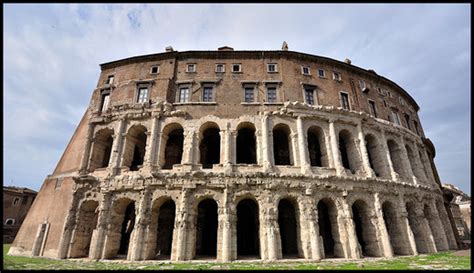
x,y
350,156
135,147
397,158
206,224
122,222
365,230
161,229
415,221
329,229
282,152
289,228
433,224
398,240
210,144
246,149
376,158
317,147
172,140
415,168
86,222
248,228
101,149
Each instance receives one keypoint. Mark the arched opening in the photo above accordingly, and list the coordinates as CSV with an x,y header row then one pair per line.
x,y
328,229
173,134
135,147
316,147
349,153
10,222
206,229
126,230
102,149
246,144
210,145
164,230
398,241
85,225
436,230
281,145
248,244
396,157
288,229
376,159
415,168
365,230
416,228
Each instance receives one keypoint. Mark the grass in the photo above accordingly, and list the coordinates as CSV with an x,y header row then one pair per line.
x,y
441,260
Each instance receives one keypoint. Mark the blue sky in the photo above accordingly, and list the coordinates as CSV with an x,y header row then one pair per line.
x,y
52,55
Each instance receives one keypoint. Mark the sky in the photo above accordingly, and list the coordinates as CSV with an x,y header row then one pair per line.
x,y
52,54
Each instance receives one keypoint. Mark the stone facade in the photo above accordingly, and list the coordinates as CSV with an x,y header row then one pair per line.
x,y
16,203
459,209
234,154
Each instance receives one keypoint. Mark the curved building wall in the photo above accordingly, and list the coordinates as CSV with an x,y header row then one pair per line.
x,y
176,133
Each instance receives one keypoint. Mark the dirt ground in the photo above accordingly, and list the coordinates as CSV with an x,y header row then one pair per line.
x,y
465,252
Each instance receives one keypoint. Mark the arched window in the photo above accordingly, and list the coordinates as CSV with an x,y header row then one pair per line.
x,y
101,149
10,222
288,225
281,145
317,147
376,159
415,167
246,144
248,243
396,157
173,139
86,223
365,230
329,230
394,229
210,146
206,228
349,154
134,154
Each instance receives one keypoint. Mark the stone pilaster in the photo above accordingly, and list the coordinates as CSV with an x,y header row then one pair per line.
x,y
188,147
151,149
224,253
98,235
65,242
267,146
85,159
117,147
407,162
406,226
363,150
429,171
350,243
437,228
426,230
384,236
422,173
335,149
311,215
393,173
142,221
303,148
181,229
446,225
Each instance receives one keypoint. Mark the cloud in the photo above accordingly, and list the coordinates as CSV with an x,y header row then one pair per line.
x,y
52,55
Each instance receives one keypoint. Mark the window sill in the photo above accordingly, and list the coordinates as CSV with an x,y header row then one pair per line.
x,y
321,77
306,74
196,103
273,103
250,103
272,72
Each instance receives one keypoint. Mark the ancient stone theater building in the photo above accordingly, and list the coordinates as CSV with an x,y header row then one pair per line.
x,y
233,155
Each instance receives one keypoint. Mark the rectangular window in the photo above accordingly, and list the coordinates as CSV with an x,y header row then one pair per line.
x,y
321,73
389,94
191,68
105,102
271,94
305,70
184,94
345,101
142,94
395,117
309,96
248,94
220,68
373,112
16,201
207,94
110,79
272,68
336,76
236,68
407,119
155,69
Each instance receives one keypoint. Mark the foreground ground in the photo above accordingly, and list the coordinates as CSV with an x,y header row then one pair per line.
x,y
442,260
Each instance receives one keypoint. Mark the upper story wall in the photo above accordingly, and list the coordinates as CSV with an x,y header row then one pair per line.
x,y
228,87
